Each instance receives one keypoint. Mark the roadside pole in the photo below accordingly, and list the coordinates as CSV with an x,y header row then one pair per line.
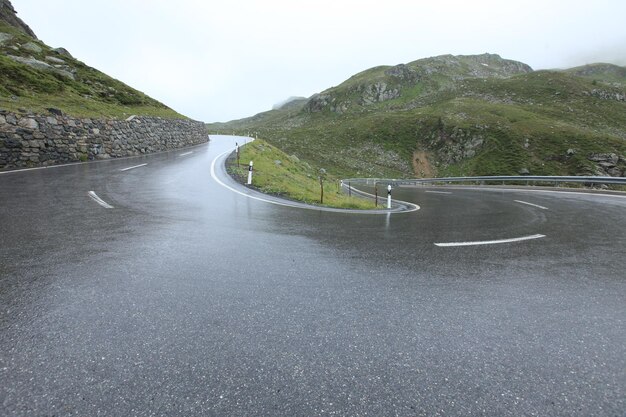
x,y
389,196
250,173
376,195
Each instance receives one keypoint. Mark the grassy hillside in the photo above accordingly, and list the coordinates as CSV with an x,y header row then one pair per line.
x,y
36,77
603,73
466,115
287,176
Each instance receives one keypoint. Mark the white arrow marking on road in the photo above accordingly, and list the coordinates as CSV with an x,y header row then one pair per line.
x,y
489,242
136,166
531,204
98,200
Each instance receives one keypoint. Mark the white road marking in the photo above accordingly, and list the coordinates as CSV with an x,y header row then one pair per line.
x,y
531,204
490,242
237,191
38,168
98,200
136,166
185,154
438,192
414,207
524,190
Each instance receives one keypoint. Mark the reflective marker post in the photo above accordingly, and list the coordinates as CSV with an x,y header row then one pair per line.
x,y
250,174
389,196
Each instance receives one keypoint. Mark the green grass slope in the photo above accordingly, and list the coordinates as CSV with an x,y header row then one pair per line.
x,y
36,77
287,176
464,115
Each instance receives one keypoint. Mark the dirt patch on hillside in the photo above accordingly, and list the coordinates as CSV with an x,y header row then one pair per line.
x,y
422,166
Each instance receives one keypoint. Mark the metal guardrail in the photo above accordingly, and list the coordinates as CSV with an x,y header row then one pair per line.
x,y
556,180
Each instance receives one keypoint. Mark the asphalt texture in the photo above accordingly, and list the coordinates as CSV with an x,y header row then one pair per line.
x,y
187,298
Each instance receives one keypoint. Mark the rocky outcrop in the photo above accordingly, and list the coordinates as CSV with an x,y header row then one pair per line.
x,y
366,94
28,140
609,164
403,72
9,16
607,95
454,145
377,93
320,102
58,68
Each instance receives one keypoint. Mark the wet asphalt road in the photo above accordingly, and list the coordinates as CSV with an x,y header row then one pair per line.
x,y
189,299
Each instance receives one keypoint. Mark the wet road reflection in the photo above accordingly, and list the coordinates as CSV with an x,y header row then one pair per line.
x,y
189,299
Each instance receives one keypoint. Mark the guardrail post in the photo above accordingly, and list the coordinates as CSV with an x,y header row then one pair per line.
x,y
250,173
376,195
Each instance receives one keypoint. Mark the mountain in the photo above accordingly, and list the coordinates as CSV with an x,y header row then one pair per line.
x,y
458,115
37,77
290,102
607,73
8,16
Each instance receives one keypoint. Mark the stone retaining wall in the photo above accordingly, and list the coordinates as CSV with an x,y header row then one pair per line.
x,y
28,140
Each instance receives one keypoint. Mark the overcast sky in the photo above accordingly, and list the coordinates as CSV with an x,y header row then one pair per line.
x,y
227,59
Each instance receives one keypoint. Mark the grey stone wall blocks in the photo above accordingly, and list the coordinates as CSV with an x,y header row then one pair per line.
x,y
30,140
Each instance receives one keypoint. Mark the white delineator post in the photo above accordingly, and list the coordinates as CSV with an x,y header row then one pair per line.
x,y
250,173
389,196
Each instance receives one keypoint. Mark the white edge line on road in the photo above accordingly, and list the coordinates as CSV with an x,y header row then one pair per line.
x,y
438,192
38,168
490,242
278,203
530,190
98,200
185,154
531,204
133,167
237,191
415,207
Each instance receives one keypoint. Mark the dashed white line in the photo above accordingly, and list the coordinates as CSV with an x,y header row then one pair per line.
x,y
185,154
438,192
98,200
133,167
531,204
490,242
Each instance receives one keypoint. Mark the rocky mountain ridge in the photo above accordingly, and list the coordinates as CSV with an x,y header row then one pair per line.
x,y
459,115
9,16
387,83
